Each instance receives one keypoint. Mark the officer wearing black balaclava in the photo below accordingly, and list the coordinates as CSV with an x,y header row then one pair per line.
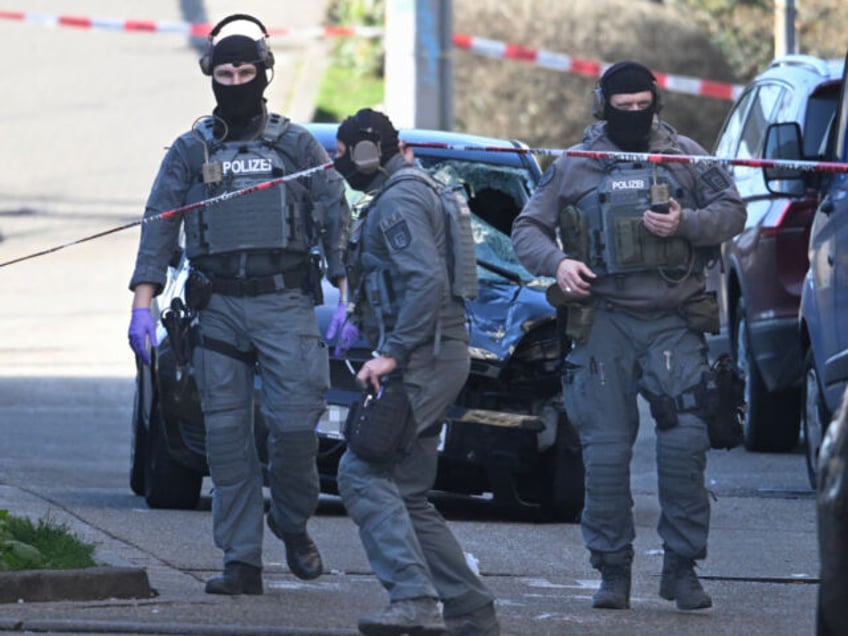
x,y
629,127
420,340
628,242
253,284
238,103
369,126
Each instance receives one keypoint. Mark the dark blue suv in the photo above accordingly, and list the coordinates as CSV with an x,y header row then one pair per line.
x,y
823,317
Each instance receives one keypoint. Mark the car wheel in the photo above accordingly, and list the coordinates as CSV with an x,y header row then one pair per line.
x,y
140,419
562,470
167,483
771,421
814,418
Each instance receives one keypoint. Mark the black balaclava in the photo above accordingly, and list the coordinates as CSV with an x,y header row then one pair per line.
x,y
365,125
630,130
239,103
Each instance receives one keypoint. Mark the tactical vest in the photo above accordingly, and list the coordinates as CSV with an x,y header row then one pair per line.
x,y
604,228
272,218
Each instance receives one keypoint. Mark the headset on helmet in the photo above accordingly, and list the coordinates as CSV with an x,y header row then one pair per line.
x,y
263,53
599,101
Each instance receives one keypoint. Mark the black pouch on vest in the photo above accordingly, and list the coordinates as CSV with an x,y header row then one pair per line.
x,y
379,426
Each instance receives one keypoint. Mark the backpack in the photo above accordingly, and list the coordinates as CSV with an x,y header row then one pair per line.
x,y
462,258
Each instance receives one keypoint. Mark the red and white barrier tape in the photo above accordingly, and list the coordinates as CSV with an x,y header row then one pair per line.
x,y
177,211
481,46
806,166
820,166
591,68
181,28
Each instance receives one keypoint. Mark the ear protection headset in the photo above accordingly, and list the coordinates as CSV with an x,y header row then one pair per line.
x,y
263,53
366,153
599,101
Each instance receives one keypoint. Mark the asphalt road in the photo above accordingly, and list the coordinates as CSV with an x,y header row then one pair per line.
x,y
85,117
64,453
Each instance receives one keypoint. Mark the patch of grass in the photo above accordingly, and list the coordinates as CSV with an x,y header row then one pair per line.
x,y
344,91
47,544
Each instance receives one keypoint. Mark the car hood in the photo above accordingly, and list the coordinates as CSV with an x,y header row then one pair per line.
x,y
499,317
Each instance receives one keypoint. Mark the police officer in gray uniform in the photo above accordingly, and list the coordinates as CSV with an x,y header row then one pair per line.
x,y
252,280
418,332
635,240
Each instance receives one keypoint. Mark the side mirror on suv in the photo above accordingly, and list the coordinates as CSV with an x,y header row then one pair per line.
x,y
783,141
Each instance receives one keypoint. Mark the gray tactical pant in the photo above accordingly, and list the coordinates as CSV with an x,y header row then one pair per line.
x,y
408,543
601,382
294,366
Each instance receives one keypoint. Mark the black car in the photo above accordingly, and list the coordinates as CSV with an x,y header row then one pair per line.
x,y
507,435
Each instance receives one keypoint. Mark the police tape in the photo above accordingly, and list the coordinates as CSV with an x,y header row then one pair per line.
x,y
591,68
478,45
709,160
194,29
645,157
265,185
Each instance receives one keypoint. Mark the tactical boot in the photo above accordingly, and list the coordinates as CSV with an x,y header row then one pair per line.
x,y
614,592
680,583
481,622
238,578
409,616
302,554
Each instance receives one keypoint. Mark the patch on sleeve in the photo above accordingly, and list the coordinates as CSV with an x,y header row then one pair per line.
x,y
546,178
715,179
397,234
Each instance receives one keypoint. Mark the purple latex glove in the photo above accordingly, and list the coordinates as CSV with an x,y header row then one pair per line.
x,y
340,325
142,329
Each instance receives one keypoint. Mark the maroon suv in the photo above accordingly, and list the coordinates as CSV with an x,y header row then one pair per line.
x,y
759,280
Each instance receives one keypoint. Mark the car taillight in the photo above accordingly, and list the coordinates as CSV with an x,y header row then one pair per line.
x,y
791,234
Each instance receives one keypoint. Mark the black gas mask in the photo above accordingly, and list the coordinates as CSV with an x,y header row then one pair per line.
x,y
370,141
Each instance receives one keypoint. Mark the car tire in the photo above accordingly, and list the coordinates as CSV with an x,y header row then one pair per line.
x,y
563,472
814,418
167,483
771,421
138,443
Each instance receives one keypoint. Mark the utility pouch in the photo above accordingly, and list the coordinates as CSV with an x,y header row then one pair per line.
x,y
198,289
314,274
578,321
379,426
664,411
723,403
701,313
574,233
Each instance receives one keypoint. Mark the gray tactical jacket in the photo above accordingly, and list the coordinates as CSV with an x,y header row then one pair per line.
x,y
181,167
404,236
720,214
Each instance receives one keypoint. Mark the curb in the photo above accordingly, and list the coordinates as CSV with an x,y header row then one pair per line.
x,y
161,629
86,584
